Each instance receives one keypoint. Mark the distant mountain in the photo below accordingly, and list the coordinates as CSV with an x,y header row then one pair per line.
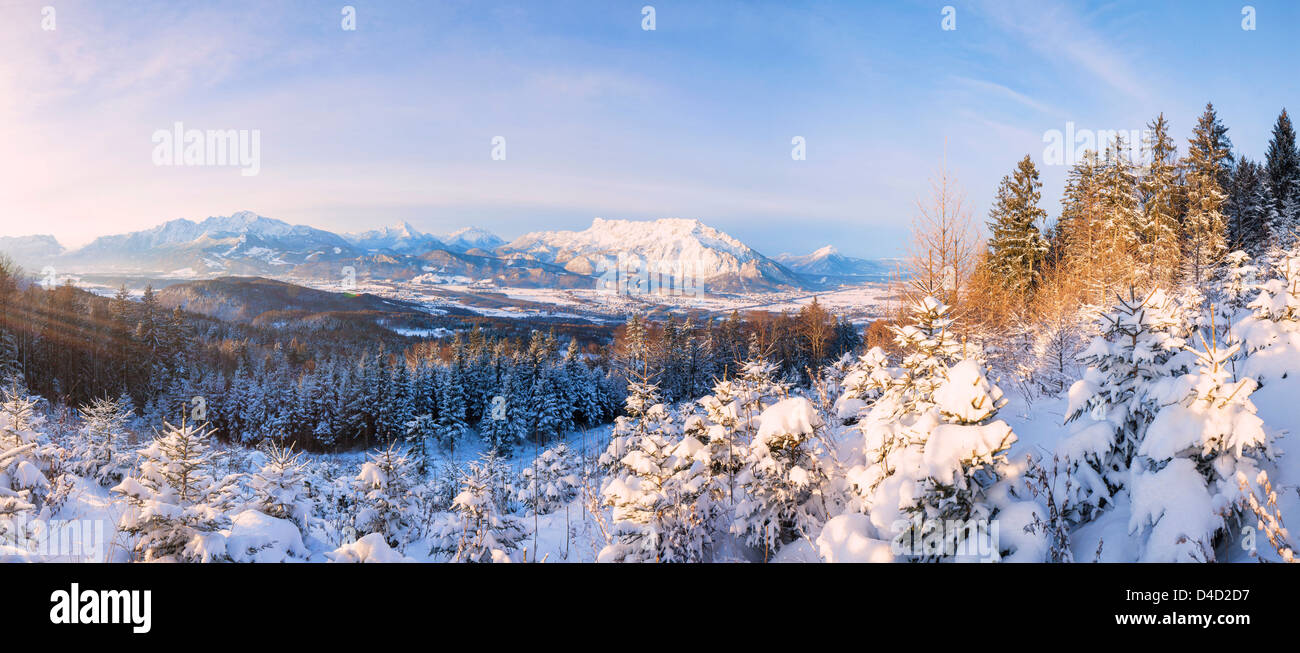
x,y
31,252
718,261
828,262
400,238
469,238
247,244
243,243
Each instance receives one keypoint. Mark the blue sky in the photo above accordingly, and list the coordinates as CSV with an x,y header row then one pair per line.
x,y
394,121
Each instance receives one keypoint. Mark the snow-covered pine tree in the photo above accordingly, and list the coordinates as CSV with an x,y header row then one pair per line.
x,y
733,412
1017,248
420,431
658,493
451,410
27,461
930,347
280,487
387,488
481,528
1112,404
783,479
176,507
934,465
1236,283
551,481
498,429
1282,169
931,444
99,450
866,380
1159,251
1185,485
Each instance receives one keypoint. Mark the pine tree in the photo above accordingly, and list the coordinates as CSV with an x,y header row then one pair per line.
x,y
387,493
1159,250
1138,346
931,445
1017,248
280,487
451,410
784,479
99,451
23,481
177,508
498,429
660,503
1208,165
481,528
1204,437
551,480
1248,218
28,461
1282,166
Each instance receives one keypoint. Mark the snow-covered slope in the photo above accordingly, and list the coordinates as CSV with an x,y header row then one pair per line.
x,y
720,261
827,261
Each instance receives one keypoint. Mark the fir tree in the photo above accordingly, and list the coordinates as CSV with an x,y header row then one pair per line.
x,y
451,410
551,480
1208,165
784,478
1017,248
99,452
387,492
1282,166
177,508
481,528
1159,250
280,487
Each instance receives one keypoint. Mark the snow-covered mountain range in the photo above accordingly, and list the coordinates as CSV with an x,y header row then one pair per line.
x,y
714,258
829,262
248,244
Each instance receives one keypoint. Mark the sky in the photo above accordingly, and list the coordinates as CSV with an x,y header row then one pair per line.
x,y
395,120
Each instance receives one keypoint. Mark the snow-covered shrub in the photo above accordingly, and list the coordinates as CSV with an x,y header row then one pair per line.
x,y
176,508
371,548
481,528
851,538
258,537
280,487
386,491
551,480
99,450
783,480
